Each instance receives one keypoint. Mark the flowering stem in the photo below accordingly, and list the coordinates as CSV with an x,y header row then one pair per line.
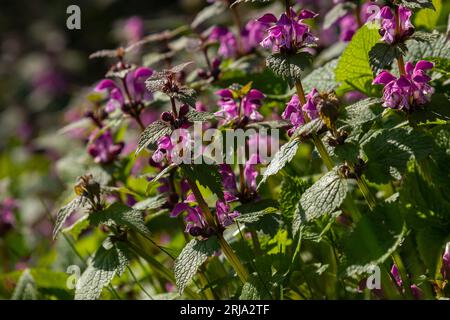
x,y
227,250
362,184
316,140
139,122
398,32
232,258
174,106
358,15
157,266
237,21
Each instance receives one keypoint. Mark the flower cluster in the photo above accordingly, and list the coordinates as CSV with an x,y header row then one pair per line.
x,y
409,90
245,106
251,35
102,147
390,31
415,290
131,92
295,112
196,224
289,32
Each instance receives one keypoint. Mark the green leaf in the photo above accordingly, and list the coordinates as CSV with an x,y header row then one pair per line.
x,y
194,115
193,255
186,95
436,111
338,11
381,56
374,238
121,215
363,111
309,129
289,66
152,134
65,212
430,244
207,175
248,1
389,151
427,199
281,158
254,289
417,50
110,260
292,189
323,78
26,287
417,4
209,12
78,227
251,217
354,65
325,195
151,203
424,36
441,65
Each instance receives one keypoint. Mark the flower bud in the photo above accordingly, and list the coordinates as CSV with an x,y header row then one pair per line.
x,y
167,117
184,109
195,231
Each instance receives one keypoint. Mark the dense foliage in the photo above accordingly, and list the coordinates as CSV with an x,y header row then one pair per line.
x,y
355,93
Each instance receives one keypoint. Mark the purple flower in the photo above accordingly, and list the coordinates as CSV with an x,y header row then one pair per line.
x,y
134,29
295,112
135,82
415,290
233,108
102,148
288,32
408,90
251,35
225,215
228,178
251,172
445,269
7,219
164,147
389,27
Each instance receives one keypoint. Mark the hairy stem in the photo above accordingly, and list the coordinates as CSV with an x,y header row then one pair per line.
x,y
226,248
238,23
232,258
398,32
370,198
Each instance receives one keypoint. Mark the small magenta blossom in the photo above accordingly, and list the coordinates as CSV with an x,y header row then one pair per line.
x,y
288,32
416,291
408,90
102,148
7,218
251,35
117,95
134,29
251,171
248,106
295,112
228,178
445,269
196,224
389,27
